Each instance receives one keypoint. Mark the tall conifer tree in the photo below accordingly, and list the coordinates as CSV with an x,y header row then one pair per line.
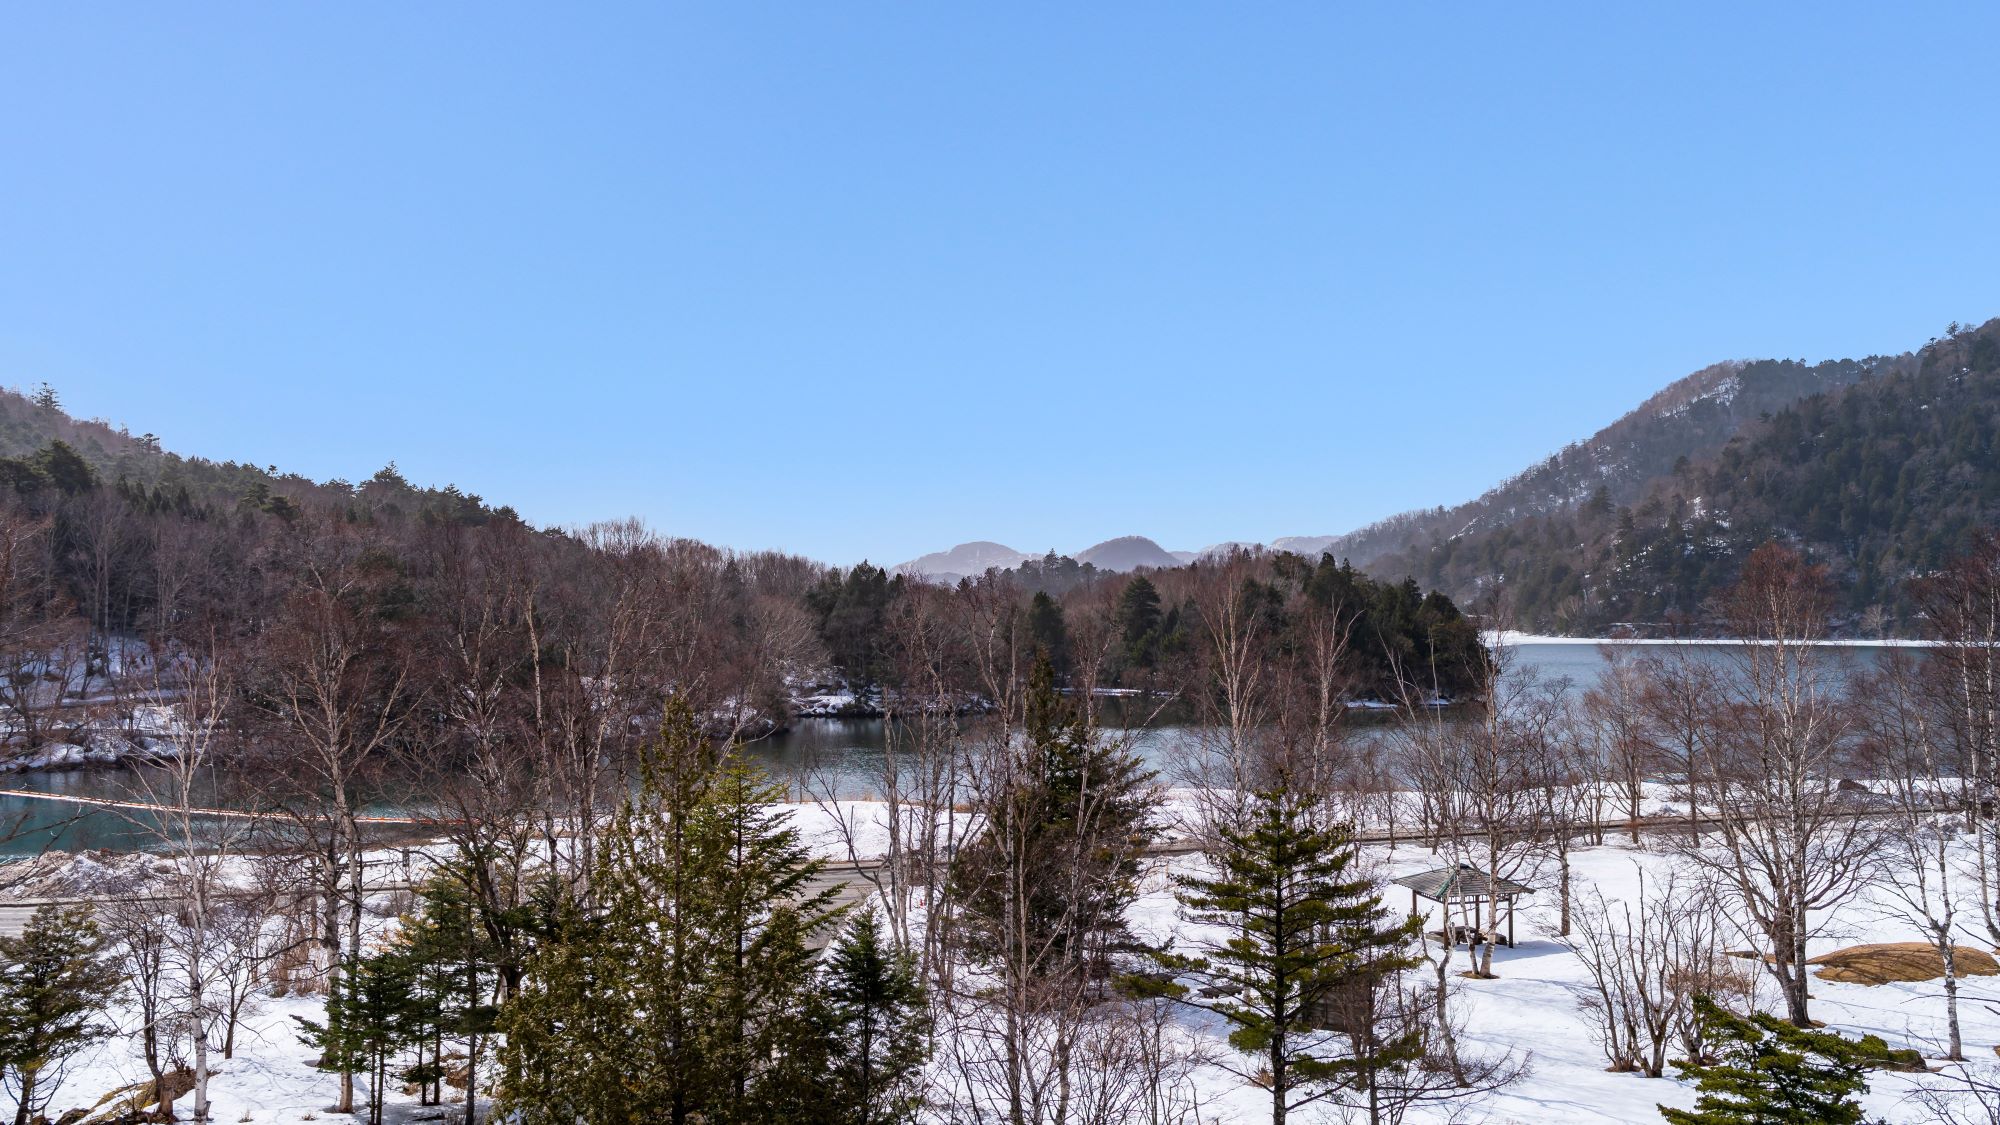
x,y
370,1019
682,991
54,982
878,1029
1139,623
1045,884
1058,861
1309,941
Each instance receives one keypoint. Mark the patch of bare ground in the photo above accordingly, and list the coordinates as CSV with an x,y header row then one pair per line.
x,y
1900,961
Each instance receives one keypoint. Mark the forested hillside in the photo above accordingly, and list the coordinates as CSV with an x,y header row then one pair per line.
x,y
1689,419
33,424
106,539
1880,478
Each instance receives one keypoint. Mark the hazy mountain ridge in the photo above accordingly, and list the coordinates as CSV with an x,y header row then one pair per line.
x,y
1120,555
1692,417
964,560
1127,553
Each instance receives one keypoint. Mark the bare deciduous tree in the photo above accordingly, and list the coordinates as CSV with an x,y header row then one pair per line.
x,y
336,690
1615,717
1679,701
1789,845
1960,609
1905,748
41,645
1647,958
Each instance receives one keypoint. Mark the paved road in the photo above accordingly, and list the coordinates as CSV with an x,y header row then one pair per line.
x,y
850,882
14,916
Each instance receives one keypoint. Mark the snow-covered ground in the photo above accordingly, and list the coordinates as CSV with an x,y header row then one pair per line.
x,y
269,1080
1535,1004
1534,1007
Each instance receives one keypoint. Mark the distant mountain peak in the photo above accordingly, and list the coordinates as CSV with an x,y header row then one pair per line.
x,y
1127,553
1311,546
976,557
1120,555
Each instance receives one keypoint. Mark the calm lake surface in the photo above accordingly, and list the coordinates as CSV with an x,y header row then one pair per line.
x,y
846,751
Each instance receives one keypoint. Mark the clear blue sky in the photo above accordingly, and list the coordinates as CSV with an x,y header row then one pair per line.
x,y
869,280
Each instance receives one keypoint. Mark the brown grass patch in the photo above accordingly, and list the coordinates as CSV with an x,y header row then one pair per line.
x,y
1900,961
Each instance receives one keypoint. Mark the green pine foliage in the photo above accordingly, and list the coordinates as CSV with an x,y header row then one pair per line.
x,y
1057,863
1052,574
1769,1072
55,980
1309,945
848,610
428,985
877,1029
680,987
455,968
1397,633
566,1023
1048,633
374,1014
1140,624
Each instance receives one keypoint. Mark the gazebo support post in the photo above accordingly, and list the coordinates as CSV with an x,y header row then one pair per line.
x,y
1510,921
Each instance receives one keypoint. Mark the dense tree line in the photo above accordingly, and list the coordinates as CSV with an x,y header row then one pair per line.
x,y
1147,630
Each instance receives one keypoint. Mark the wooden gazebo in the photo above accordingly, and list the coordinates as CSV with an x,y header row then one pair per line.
x,y
1463,884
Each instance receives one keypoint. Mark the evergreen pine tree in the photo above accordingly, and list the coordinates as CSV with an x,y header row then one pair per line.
x,y
1139,623
1058,862
763,1042
1047,631
54,982
1771,1072
65,468
851,611
878,1029
682,989
565,1025
370,1019
1310,940
454,976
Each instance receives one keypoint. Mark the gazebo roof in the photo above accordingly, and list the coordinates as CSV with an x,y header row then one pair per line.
x,y
1463,881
